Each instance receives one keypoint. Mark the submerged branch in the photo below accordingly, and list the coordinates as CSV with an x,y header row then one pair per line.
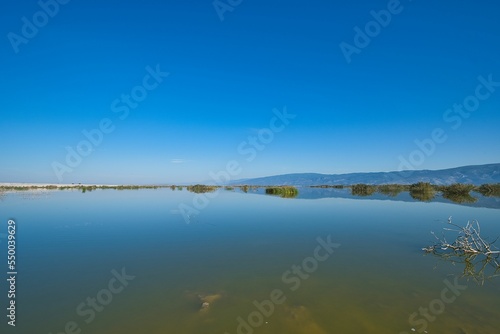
x,y
467,247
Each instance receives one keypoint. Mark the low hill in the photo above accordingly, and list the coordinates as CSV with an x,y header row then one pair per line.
x,y
476,175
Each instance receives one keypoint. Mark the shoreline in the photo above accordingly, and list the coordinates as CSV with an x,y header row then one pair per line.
x,y
44,185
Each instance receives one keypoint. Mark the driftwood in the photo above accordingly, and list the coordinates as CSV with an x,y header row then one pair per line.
x,y
468,248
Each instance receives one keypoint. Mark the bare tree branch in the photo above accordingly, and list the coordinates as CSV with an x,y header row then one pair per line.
x,y
469,248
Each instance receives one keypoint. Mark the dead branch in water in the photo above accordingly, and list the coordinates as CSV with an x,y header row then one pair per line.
x,y
468,247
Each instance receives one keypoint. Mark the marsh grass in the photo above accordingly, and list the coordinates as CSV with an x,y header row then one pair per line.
x,y
422,191
201,188
283,191
489,190
392,190
363,189
458,193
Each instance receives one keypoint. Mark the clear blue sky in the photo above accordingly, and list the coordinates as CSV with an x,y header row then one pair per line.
x,y
226,77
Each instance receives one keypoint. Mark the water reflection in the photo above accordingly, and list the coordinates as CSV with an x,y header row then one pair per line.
x,y
400,194
477,267
284,192
363,190
238,248
422,191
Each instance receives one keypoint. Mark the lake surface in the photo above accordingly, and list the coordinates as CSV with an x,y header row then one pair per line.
x,y
238,254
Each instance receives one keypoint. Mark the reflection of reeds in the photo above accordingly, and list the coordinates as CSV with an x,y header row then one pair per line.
x,y
458,192
476,267
81,187
460,198
422,191
490,190
363,189
283,191
392,189
124,187
200,188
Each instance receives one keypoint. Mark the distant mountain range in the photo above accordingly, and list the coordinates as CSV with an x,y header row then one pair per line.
x,y
476,175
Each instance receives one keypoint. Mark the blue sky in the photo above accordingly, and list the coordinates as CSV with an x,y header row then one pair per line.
x,y
225,78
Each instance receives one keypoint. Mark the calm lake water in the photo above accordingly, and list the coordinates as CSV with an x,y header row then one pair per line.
x,y
239,251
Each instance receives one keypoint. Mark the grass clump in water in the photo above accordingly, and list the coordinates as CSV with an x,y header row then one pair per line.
x,y
392,189
363,189
458,192
283,191
200,188
489,190
422,191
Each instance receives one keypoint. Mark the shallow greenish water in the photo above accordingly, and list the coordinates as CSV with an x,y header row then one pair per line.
x,y
234,254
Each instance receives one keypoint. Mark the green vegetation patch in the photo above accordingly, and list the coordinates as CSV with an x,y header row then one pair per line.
x,y
489,190
284,191
363,189
392,189
200,188
458,192
422,191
